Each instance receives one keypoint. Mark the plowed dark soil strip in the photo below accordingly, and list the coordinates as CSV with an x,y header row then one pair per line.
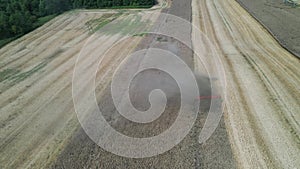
x,y
81,152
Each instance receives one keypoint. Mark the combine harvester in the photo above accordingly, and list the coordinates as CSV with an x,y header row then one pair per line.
x,y
294,3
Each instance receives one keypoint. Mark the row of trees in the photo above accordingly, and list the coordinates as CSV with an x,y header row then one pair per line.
x,y
18,17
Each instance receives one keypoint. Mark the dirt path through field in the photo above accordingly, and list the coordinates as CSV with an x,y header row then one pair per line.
x,y
189,153
263,86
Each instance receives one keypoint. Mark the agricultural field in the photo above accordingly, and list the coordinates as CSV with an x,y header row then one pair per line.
x,y
234,57
282,20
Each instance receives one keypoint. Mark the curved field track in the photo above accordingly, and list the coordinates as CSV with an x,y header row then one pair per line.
x,y
263,103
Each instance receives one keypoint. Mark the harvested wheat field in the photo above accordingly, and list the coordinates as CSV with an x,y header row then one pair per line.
x,y
260,81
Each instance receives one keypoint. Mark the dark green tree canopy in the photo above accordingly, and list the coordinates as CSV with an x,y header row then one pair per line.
x,y
18,17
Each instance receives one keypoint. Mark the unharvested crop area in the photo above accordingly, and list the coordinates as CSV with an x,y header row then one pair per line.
x,y
259,129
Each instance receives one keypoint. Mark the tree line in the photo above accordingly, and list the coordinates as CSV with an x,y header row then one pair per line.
x,y
18,17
